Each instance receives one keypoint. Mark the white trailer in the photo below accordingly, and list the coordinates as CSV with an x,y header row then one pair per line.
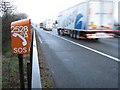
x,y
48,24
92,19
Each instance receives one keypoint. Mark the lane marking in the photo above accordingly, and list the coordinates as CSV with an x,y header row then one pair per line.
x,y
38,33
40,40
88,48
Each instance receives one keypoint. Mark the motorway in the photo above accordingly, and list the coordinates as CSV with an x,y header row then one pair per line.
x,y
80,63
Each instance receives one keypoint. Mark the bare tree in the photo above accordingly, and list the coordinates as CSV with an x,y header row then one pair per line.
x,y
6,8
8,15
19,16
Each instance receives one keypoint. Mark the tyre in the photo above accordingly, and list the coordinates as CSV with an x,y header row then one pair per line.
x,y
75,34
71,34
58,31
78,35
96,39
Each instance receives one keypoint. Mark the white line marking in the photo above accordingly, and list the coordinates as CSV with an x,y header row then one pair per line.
x,y
53,72
96,51
40,40
39,37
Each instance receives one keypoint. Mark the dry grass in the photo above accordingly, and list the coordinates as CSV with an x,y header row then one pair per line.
x,y
10,70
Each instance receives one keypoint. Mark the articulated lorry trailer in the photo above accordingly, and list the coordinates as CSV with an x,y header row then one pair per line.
x,y
92,19
48,24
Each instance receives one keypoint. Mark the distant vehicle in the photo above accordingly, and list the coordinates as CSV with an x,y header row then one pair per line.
x,y
92,19
117,27
48,24
41,25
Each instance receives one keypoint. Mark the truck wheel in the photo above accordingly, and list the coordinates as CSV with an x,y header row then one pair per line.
x,y
96,39
78,35
71,34
58,31
75,34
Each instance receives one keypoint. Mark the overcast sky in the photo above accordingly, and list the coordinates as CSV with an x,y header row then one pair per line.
x,y
39,10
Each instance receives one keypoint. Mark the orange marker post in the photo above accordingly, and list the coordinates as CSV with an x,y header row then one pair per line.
x,y
21,38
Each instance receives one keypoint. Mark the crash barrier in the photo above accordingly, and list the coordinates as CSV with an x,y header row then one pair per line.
x,y
36,79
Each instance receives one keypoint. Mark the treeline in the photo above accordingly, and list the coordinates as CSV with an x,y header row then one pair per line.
x,y
8,14
10,66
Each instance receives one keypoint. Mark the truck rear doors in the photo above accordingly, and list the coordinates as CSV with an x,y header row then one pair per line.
x,y
100,14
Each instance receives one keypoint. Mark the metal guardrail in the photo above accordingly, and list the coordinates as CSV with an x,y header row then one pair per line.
x,y
35,78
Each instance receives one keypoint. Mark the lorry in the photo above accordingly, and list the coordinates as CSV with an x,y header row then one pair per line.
x,y
48,24
93,19
41,25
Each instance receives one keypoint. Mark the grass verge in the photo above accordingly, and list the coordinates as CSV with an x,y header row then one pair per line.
x,y
10,70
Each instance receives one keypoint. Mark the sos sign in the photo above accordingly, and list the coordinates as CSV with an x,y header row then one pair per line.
x,y
21,36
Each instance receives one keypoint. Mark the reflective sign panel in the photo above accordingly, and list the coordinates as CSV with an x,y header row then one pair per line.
x,y
21,36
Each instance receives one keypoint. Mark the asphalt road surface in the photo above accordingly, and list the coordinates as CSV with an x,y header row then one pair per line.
x,y
80,63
